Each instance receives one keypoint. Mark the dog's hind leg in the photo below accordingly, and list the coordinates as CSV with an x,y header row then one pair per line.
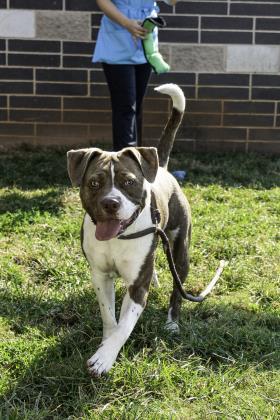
x,y
180,251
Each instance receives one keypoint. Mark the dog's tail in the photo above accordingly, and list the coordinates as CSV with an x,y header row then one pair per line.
x,y
168,135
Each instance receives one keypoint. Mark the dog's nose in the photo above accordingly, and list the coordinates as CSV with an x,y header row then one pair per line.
x,y
111,204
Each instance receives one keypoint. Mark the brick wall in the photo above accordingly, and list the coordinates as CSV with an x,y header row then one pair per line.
x,y
225,55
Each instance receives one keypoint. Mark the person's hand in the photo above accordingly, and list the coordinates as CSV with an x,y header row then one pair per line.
x,y
135,28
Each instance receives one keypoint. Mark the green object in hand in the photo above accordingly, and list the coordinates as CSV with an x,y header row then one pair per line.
x,y
150,47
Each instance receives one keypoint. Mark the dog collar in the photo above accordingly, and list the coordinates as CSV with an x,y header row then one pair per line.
x,y
155,216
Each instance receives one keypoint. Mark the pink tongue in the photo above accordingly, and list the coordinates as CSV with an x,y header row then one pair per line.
x,y
107,230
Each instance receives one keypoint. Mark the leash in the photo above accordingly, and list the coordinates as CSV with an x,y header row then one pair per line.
x,y
167,249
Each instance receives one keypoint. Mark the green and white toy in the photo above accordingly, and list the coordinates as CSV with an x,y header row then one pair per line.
x,y
150,46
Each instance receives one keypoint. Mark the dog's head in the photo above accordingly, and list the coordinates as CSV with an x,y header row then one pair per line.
x,y
113,185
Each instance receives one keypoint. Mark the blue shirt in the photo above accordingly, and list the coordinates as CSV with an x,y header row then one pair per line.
x,y
114,44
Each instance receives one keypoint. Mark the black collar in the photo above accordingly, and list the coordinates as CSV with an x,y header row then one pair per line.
x,y
155,216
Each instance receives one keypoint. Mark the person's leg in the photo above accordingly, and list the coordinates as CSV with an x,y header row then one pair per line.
x,y
121,83
143,73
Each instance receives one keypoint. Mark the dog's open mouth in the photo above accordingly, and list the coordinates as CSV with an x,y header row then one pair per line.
x,y
112,228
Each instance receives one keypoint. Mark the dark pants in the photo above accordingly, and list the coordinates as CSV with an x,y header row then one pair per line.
x,y
127,84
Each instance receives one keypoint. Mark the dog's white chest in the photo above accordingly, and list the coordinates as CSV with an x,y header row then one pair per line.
x,y
126,257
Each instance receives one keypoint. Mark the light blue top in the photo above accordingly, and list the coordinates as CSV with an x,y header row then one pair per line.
x,y
115,45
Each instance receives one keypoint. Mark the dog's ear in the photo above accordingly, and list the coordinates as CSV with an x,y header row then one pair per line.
x,y
147,158
77,163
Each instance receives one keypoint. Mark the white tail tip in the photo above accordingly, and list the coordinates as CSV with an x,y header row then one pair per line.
x,y
176,93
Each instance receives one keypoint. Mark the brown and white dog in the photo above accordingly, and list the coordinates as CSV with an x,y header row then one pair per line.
x,y
119,192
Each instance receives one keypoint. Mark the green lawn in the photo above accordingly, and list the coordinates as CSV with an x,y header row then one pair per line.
x,y
224,363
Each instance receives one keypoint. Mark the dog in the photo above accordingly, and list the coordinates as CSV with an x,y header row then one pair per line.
x,y
122,194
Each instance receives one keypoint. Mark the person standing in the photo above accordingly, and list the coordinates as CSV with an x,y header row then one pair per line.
x,y
119,49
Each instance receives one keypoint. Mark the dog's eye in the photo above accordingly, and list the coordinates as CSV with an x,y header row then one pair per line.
x,y
94,184
129,182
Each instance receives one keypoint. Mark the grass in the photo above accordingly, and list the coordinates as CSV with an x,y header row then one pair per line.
x,y
225,361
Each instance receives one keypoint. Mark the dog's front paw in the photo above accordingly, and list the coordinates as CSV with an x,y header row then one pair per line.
x,y
102,361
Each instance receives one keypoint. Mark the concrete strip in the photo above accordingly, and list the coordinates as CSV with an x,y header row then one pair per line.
x,y
197,58
17,24
70,26
253,59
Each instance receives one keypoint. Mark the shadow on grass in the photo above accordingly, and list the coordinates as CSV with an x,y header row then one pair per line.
x,y
13,202
33,169
229,170
44,168
56,379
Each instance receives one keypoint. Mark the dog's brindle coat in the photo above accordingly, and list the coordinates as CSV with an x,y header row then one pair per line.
x,y
119,191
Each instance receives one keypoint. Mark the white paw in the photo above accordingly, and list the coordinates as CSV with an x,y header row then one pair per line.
x,y
102,361
172,327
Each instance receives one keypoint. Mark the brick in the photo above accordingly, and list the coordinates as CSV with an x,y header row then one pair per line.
x,y
270,24
2,59
183,22
155,118
202,119
218,133
17,24
35,4
54,75
231,37
265,148
96,19
34,60
71,26
79,62
201,8
100,90
33,102
87,117
104,132
223,79
3,101
174,35
34,115
265,135
226,23
81,5
12,129
184,145
3,115
63,89
220,146
181,79
161,105
266,94
61,130
87,103
246,107
79,48
14,73
268,38
247,120
266,80
16,87
97,76
204,106
222,93
34,46
255,9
